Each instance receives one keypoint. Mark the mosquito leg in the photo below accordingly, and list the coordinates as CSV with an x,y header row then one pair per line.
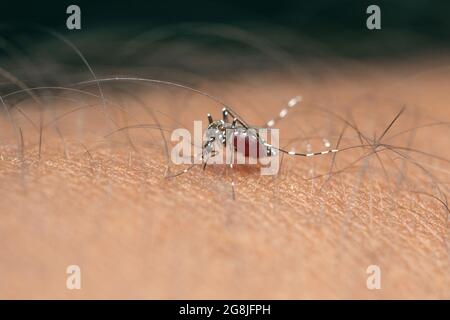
x,y
225,110
233,192
233,124
283,112
225,114
231,150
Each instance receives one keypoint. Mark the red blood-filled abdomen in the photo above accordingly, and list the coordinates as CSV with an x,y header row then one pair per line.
x,y
249,145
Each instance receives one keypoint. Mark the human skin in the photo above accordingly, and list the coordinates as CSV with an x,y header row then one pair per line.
x,y
136,234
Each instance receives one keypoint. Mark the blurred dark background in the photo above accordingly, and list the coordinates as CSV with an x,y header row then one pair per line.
x,y
408,27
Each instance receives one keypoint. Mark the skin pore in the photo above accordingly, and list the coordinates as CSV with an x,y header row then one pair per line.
x,y
100,200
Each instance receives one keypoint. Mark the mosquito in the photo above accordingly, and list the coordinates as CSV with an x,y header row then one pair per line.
x,y
238,132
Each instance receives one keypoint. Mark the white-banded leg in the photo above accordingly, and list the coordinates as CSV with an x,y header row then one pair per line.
x,y
231,164
233,124
226,113
233,192
207,150
283,112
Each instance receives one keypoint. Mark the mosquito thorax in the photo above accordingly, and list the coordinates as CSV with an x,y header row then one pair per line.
x,y
217,131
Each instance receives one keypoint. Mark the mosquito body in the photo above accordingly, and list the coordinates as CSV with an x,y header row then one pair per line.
x,y
237,135
245,139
